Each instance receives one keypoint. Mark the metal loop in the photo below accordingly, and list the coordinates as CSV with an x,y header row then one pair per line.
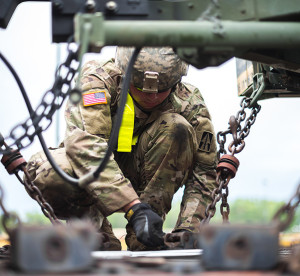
x,y
233,149
37,191
245,102
9,218
257,108
283,223
210,210
241,115
1,193
225,195
224,206
223,135
50,210
288,210
245,132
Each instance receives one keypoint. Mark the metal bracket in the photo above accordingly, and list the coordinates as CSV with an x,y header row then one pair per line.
x,y
85,33
239,247
54,249
88,39
1,140
181,240
258,88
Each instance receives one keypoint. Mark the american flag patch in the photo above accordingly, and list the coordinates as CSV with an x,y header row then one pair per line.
x,y
95,97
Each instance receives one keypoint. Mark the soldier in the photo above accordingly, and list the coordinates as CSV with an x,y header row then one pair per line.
x,y
173,145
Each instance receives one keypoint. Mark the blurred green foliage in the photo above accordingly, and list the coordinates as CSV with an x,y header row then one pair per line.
x,y
241,211
254,211
251,211
36,218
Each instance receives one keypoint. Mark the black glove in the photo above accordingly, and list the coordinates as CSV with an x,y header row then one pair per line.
x,y
146,224
177,230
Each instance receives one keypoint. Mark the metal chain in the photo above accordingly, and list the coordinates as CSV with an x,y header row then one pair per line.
x,y
9,220
32,189
239,133
22,135
284,216
36,194
217,194
5,251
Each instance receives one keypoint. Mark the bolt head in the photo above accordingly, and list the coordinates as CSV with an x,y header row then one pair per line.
x,y
90,4
111,6
57,5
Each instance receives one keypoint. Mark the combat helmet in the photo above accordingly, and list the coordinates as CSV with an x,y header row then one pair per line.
x,y
155,70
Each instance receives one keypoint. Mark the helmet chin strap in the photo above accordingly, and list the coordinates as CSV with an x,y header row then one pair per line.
x,y
142,108
150,82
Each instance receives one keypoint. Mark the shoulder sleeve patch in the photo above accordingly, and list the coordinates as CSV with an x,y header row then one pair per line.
x,y
206,141
95,97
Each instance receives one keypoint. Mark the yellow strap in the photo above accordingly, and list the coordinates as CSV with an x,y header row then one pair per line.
x,y
134,139
126,139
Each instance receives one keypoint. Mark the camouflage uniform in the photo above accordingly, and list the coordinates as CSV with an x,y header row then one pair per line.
x,y
176,147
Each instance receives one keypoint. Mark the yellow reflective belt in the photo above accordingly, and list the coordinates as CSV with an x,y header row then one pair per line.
x,y
126,139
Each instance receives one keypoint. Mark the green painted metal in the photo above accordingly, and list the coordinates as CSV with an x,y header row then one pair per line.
x,y
203,33
238,10
85,30
255,10
244,35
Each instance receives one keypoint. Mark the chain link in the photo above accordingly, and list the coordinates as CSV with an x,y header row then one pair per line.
x,y
284,216
5,251
32,189
36,194
9,220
221,139
238,144
216,195
22,135
239,133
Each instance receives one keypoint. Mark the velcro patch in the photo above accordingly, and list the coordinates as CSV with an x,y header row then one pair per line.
x,y
95,97
206,140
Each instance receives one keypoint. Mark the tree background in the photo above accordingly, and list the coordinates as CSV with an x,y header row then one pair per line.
x,y
242,211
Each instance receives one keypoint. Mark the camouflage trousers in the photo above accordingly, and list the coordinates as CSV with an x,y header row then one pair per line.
x,y
157,167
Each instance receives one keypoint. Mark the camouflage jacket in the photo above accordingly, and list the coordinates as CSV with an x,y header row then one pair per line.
x,y
88,130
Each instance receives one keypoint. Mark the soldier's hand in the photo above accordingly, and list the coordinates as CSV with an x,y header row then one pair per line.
x,y
146,224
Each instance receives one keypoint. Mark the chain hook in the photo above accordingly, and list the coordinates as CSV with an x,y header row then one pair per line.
x,y
233,126
258,88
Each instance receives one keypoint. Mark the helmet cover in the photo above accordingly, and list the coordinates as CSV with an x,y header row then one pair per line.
x,y
153,65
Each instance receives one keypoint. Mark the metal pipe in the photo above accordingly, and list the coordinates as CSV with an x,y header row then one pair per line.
x,y
200,34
